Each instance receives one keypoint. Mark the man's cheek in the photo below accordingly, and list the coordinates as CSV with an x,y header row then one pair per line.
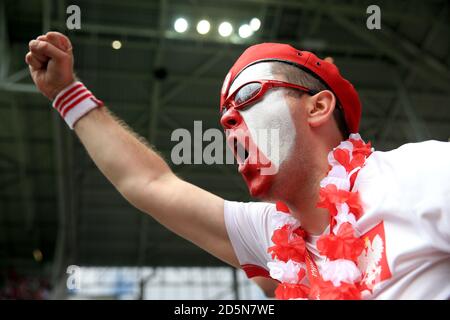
x,y
271,126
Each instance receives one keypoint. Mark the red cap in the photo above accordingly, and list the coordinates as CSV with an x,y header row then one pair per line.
x,y
325,71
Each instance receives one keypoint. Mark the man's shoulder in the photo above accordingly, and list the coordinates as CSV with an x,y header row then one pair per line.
x,y
414,166
419,148
419,155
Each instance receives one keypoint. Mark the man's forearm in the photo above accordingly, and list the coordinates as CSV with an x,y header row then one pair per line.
x,y
126,161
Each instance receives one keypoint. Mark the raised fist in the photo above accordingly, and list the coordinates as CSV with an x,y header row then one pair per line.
x,y
50,61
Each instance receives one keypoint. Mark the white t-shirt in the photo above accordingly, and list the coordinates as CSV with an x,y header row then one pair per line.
x,y
405,224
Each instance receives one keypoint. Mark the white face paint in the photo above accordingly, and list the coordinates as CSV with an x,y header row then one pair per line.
x,y
269,113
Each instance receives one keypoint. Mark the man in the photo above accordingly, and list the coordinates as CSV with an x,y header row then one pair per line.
x,y
339,222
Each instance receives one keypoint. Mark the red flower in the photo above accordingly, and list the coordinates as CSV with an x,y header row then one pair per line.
x,y
301,274
344,245
354,203
285,248
281,236
325,290
353,179
357,161
343,157
282,207
286,291
330,197
359,147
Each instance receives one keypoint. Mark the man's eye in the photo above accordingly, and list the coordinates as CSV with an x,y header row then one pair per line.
x,y
247,92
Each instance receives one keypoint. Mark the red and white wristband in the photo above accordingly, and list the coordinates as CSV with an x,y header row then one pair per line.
x,y
74,102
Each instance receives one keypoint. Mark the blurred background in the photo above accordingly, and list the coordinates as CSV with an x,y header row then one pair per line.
x,y
65,232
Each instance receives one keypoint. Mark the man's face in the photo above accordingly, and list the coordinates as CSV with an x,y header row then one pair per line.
x,y
269,117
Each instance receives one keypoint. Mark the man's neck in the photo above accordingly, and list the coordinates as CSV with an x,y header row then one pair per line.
x,y
313,220
304,207
303,202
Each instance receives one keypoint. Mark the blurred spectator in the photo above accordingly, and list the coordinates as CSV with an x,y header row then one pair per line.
x,y
18,287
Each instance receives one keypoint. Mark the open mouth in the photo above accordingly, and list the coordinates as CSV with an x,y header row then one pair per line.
x,y
240,151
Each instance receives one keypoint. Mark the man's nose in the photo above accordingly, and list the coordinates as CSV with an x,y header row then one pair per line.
x,y
231,119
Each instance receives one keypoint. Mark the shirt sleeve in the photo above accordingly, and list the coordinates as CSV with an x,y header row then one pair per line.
x,y
248,226
417,177
433,210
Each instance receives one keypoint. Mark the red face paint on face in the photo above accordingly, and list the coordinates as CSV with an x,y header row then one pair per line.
x,y
251,160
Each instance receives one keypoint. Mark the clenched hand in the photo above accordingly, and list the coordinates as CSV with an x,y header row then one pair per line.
x,y
50,60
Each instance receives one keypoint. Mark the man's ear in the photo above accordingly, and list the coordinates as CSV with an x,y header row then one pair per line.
x,y
321,108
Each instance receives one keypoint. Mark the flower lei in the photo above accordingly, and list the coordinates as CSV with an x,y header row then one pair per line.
x,y
339,276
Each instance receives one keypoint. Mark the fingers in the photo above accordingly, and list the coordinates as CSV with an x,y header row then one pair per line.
x,y
51,63
59,40
33,62
44,51
41,52
37,54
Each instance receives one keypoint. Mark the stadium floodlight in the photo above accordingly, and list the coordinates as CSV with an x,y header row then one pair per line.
x,y
203,27
180,25
245,31
116,44
255,24
225,29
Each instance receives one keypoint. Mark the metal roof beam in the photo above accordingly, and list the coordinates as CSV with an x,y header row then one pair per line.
x,y
419,129
196,74
155,103
349,9
346,9
18,87
26,184
399,56
400,100
4,42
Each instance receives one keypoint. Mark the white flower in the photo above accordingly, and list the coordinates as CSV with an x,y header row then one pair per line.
x,y
340,270
343,216
331,160
355,136
347,145
280,219
337,176
285,271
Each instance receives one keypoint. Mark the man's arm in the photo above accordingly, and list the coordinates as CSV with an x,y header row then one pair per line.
x,y
147,182
136,170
